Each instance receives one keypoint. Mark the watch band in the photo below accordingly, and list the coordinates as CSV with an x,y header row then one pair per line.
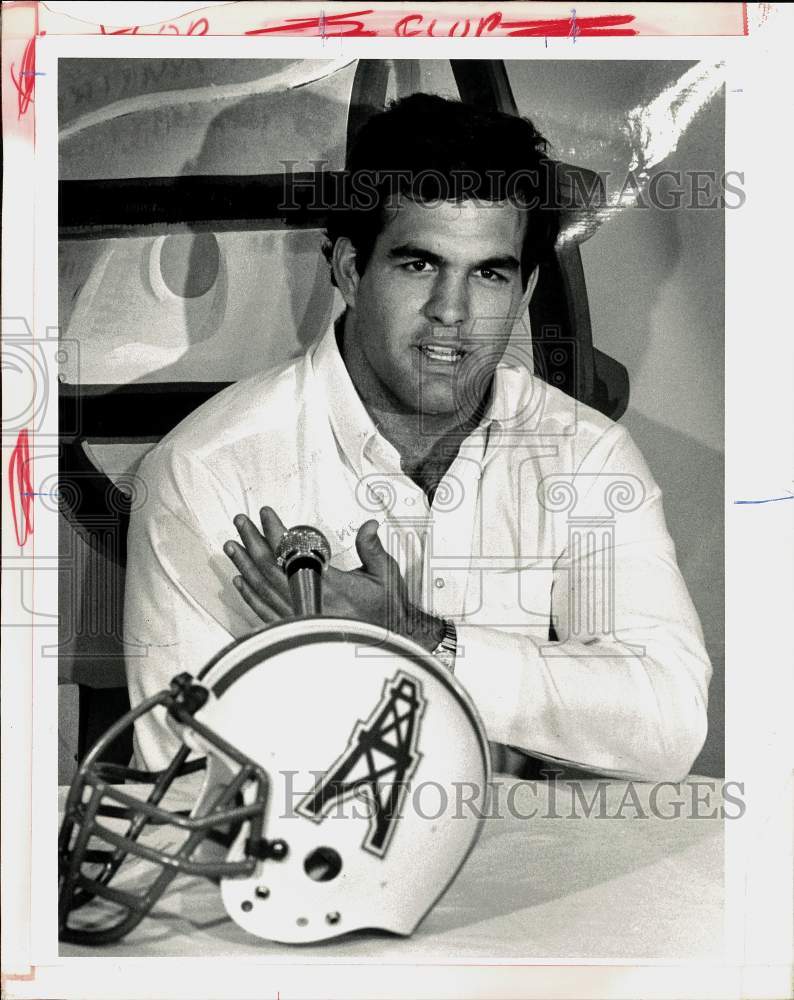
x,y
446,649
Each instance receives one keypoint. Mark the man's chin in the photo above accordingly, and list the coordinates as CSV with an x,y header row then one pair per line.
x,y
460,397
439,404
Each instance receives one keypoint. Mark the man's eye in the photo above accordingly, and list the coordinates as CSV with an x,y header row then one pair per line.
x,y
418,266
490,275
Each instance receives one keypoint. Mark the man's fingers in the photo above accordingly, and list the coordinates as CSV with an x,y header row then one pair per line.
x,y
374,558
260,608
255,543
272,526
268,581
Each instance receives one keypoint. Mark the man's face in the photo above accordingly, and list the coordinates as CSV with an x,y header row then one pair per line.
x,y
433,311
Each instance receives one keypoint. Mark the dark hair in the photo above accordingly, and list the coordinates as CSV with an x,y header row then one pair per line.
x,y
431,148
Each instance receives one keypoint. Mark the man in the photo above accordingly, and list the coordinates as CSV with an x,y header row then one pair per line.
x,y
468,505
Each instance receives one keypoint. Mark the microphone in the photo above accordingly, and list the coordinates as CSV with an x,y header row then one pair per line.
x,y
303,553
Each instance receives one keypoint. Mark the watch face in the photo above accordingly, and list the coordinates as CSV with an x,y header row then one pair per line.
x,y
445,653
445,656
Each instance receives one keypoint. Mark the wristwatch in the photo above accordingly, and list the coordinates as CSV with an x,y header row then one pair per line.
x,y
446,649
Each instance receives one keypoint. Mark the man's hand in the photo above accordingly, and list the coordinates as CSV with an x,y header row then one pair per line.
x,y
374,593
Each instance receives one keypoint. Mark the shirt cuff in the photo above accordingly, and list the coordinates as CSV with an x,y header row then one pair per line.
x,y
496,667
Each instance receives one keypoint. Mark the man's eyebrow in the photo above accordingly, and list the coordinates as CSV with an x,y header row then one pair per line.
x,y
505,262
406,250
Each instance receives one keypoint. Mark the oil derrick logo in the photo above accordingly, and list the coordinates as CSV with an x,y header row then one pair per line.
x,y
378,762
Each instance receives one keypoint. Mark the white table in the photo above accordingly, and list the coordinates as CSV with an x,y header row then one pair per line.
x,y
550,886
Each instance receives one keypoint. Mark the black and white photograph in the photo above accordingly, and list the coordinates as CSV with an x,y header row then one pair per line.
x,y
404,345
388,490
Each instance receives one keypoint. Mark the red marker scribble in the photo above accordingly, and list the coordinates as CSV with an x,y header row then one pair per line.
x,y
20,489
328,22
606,24
200,26
25,83
411,25
119,31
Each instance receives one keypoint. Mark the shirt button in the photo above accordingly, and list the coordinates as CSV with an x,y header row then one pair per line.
x,y
439,582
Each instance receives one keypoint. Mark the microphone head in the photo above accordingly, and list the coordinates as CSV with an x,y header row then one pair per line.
x,y
302,542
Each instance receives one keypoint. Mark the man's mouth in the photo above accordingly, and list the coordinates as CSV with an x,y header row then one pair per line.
x,y
442,354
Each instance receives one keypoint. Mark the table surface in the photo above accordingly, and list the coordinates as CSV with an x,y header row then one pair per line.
x,y
624,883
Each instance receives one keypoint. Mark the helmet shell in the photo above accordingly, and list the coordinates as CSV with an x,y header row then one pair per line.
x,y
379,774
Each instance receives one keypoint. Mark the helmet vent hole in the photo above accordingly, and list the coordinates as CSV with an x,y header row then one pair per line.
x,y
301,921
322,864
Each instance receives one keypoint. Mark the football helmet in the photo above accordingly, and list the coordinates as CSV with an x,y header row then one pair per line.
x,y
344,781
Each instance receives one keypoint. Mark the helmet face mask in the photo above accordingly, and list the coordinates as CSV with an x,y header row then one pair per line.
x,y
333,757
103,823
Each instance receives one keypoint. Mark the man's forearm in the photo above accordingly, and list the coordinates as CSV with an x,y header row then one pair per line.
x,y
595,706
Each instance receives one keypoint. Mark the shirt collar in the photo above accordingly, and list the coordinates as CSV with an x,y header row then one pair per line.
x,y
511,393
355,429
352,425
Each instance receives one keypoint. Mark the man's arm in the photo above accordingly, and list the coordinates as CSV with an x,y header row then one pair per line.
x,y
631,703
180,608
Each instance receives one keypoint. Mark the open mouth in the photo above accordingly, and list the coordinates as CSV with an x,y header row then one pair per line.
x,y
442,354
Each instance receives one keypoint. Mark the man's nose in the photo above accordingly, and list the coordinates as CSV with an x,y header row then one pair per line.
x,y
449,303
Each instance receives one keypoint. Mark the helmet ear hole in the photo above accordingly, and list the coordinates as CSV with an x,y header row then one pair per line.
x,y
322,864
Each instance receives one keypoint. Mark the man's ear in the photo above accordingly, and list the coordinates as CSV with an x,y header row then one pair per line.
x,y
347,277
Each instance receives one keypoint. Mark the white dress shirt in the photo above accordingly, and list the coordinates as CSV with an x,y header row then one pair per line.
x,y
548,515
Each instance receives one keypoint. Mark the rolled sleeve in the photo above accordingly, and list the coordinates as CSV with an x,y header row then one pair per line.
x,y
624,690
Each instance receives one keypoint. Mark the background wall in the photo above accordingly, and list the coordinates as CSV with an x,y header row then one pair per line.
x,y
654,277
655,282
